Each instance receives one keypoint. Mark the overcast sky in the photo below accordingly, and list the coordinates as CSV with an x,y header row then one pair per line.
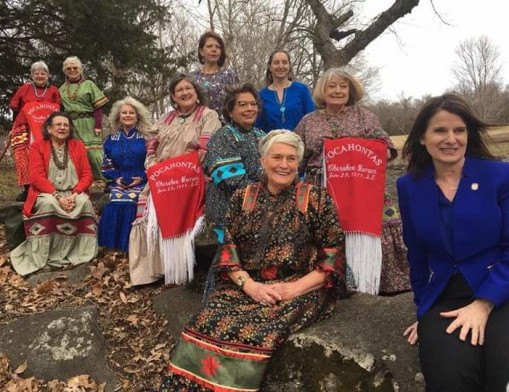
x,y
420,59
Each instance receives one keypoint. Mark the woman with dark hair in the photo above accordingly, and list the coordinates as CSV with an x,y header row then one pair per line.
x,y
60,223
213,75
284,100
454,203
187,128
29,112
232,159
281,269
124,169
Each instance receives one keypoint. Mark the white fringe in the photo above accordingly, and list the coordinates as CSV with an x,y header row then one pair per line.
x,y
364,256
178,255
153,232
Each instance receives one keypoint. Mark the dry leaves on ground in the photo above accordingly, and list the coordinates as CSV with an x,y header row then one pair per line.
x,y
137,340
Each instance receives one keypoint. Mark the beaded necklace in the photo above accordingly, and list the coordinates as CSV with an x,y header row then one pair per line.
x,y
35,90
72,95
63,164
182,116
282,107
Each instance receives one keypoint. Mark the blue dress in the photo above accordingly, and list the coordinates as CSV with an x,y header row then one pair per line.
x,y
124,156
288,112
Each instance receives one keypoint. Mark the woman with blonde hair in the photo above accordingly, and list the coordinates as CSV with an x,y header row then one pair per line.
x,y
339,115
124,169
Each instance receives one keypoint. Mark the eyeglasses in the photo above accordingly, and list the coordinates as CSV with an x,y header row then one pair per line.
x,y
71,68
244,104
61,125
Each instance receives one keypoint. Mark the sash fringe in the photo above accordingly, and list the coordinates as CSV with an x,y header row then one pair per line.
x,y
364,256
177,253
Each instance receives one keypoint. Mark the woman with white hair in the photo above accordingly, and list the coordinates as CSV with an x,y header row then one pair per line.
x,y
339,115
27,126
83,100
124,169
281,269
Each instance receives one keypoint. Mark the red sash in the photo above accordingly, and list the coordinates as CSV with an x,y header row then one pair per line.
x,y
355,174
36,113
177,188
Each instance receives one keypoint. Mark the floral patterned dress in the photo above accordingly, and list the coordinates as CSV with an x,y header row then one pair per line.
x,y
355,121
215,85
228,345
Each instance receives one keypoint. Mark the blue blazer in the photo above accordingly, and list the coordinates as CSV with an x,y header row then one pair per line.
x,y
480,249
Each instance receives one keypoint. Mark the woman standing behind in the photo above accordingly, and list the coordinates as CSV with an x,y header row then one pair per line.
x,y
124,168
38,90
83,100
284,100
213,76
336,95
455,208
59,218
187,128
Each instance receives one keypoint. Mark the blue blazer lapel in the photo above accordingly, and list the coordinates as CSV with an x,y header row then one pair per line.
x,y
469,207
427,214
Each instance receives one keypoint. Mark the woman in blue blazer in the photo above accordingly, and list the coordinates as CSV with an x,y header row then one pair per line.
x,y
454,203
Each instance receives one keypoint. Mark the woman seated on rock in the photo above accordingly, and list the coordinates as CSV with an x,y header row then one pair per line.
x,y
185,129
60,223
282,267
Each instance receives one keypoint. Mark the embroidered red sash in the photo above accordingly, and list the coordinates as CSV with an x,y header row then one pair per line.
x,y
177,189
36,113
355,175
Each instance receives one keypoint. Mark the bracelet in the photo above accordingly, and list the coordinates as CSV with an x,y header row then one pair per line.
x,y
241,281
56,195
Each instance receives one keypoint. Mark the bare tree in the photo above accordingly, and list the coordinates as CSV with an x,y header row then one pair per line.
x,y
331,28
478,72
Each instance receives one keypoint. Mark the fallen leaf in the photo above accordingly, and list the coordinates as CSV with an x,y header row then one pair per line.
x,y
123,297
21,368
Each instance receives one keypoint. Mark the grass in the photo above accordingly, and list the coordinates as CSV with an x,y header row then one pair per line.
x,y
8,182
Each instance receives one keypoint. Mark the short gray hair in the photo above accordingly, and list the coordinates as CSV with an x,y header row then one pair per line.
x,y
356,90
72,59
39,66
281,136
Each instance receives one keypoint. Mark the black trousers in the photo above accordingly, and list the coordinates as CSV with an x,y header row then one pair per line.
x,y
450,365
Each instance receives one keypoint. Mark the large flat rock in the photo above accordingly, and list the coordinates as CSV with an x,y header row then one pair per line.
x,y
360,348
58,344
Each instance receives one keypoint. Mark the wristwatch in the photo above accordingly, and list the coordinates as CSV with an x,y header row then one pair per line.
x,y
241,281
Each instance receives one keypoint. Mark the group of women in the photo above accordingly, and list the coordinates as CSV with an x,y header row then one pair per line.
x,y
281,260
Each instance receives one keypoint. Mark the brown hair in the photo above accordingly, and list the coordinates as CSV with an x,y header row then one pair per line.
x,y
201,44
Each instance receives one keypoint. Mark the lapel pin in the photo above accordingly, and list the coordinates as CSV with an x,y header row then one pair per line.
x,y
475,186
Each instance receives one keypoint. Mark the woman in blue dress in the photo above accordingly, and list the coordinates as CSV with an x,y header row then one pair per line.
x,y
284,100
123,167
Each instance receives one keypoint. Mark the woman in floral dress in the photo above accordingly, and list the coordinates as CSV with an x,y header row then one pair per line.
x,y
213,75
281,267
